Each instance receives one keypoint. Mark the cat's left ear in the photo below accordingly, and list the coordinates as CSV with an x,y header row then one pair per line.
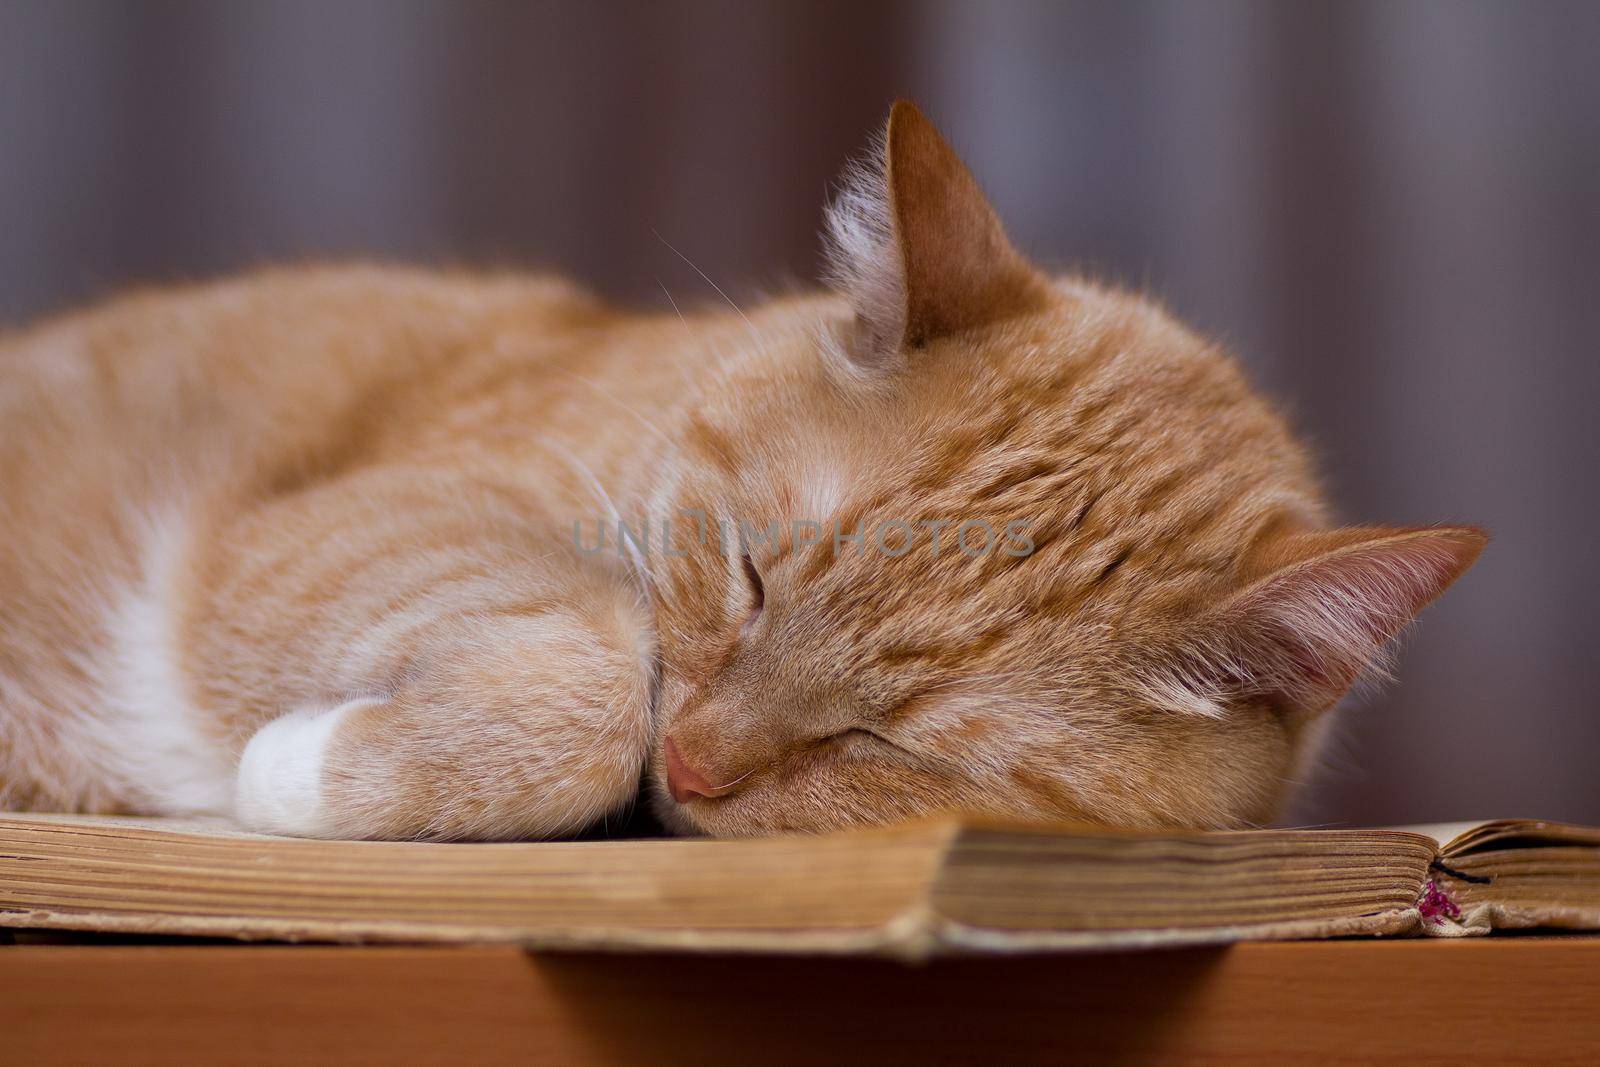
x,y
1320,612
917,248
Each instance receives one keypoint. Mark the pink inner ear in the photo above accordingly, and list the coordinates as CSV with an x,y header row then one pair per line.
x,y
1311,628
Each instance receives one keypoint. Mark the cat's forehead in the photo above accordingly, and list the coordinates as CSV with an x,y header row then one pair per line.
x,y
1098,446
1118,490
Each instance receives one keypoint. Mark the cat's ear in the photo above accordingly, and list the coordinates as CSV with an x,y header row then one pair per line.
x,y
916,247
1321,612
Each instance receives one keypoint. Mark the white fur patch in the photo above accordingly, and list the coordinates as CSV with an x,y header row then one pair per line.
x,y
821,492
154,744
863,256
279,789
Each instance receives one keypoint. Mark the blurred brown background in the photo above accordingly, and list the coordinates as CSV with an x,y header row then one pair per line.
x,y
1391,210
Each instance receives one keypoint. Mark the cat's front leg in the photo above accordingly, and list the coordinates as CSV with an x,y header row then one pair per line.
x,y
506,726
280,783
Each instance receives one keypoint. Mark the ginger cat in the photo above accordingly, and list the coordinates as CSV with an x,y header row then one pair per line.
x,y
337,551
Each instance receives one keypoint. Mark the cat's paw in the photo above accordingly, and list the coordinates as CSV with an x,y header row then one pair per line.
x,y
280,788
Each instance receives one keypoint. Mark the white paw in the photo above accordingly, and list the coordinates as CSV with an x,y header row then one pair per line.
x,y
279,790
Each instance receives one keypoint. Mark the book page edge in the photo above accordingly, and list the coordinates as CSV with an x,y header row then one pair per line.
x,y
915,935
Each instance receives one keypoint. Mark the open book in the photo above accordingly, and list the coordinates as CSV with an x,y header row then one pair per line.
x,y
913,890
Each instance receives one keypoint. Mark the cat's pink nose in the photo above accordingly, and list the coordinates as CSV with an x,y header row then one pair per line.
x,y
683,781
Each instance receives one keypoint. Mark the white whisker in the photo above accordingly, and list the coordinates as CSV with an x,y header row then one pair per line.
x,y
598,388
709,282
635,557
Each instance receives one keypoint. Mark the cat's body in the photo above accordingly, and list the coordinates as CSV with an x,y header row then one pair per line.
x,y
343,523
247,470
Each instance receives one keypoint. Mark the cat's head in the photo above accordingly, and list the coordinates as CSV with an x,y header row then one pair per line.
x,y
1094,579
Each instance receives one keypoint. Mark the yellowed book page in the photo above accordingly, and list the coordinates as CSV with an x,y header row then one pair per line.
x,y
1454,838
870,891
1514,874
1442,833
1022,878
836,892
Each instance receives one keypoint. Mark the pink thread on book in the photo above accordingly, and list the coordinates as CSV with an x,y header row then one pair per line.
x,y
1435,905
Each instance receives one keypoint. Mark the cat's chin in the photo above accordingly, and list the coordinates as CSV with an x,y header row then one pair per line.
x,y
726,818
701,817
675,818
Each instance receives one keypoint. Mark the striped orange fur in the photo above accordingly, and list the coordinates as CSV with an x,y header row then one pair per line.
x,y
319,548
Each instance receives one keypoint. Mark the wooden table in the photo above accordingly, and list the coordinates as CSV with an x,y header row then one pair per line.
x,y
1535,999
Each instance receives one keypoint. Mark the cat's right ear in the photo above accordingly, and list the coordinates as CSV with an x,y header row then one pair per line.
x,y
918,249
1302,633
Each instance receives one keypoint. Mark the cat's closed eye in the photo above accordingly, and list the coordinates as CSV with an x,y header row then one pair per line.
x,y
860,737
854,733
758,594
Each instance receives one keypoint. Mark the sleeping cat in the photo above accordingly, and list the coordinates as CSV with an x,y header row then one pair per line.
x,y
380,553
